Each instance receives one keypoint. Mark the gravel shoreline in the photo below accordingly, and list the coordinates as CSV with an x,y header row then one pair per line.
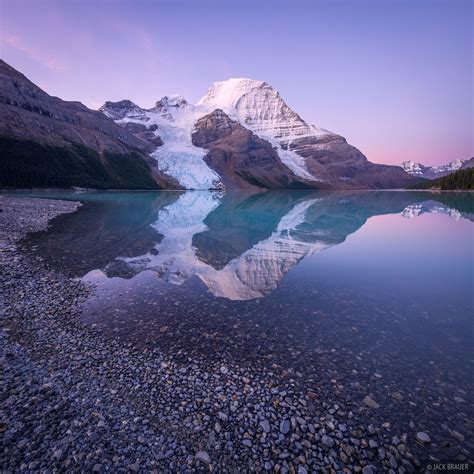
x,y
75,399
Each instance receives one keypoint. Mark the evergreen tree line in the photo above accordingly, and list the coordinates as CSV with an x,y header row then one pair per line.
x,y
28,164
461,179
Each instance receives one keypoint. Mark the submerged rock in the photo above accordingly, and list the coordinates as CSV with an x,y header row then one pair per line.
x,y
370,402
423,437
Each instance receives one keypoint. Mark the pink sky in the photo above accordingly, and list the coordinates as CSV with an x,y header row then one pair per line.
x,y
393,77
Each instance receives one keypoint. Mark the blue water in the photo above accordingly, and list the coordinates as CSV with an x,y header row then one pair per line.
x,y
341,293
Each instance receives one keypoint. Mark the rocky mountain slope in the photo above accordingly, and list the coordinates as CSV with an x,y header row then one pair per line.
x,y
257,141
241,134
45,141
434,172
312,153
240,157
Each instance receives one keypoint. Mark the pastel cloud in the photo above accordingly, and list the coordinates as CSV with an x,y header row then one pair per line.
x,y
46,60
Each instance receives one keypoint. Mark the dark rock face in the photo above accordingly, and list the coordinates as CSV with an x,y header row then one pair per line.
x,y
32,120
144,133
127,109
241,158
331,159
27,112
328,157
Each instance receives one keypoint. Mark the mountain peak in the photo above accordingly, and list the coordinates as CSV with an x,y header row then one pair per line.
x,y
259,106
225,94
175,100
412,167
120,109
431,172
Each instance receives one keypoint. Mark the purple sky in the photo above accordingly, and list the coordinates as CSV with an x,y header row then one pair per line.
x,y
393,77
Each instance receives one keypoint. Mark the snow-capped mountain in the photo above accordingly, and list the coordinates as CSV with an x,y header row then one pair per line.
x,y
267,143
430,207
172,120
259,106
433,172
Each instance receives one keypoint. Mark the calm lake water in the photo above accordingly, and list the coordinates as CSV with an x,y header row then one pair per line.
x,y
367,290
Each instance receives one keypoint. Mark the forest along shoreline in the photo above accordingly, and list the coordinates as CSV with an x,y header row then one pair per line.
x,y
76,399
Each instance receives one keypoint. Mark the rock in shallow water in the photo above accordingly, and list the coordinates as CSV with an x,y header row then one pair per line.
x,y
423,437
370,402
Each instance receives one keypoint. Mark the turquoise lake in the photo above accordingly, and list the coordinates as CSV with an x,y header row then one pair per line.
x,y
368,292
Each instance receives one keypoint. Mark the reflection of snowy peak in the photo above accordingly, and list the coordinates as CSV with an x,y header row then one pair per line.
x,y
430,207
253,274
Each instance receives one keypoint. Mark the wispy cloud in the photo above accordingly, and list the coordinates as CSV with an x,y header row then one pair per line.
x,y
44,59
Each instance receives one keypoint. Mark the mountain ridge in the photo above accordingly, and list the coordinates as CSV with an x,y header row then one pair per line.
x,y
46,141
241,134
437,171
318,158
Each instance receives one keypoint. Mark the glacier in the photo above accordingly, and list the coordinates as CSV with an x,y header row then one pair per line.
x,y
174,119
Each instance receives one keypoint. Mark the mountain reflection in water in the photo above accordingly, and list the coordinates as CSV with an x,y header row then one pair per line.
x,y
344,294
240,246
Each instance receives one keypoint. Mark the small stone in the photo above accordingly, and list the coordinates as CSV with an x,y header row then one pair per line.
x,y
247,442
97,468
285,427
224,369
423,437
57,455
203,456
245,380
265,424
370,402
397,396
302,470
456,435
367,470
327,441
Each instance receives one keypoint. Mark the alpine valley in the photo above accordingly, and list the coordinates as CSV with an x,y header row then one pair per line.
x,y
241,134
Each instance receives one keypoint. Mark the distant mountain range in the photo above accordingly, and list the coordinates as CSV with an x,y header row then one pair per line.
x,y
434,172
241,134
